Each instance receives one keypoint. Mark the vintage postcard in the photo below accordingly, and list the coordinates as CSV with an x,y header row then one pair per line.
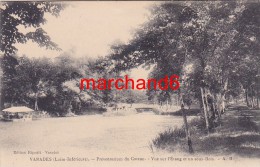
x,y
129,83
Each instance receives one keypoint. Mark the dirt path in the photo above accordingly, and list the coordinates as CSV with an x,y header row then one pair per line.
x,y
239,134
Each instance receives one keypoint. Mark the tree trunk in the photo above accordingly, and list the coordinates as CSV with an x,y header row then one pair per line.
x,y
223,103
247,101
12,104
257,102
214,106
205,110
219,104
253,102
167,104
36,103
186,127
216,110
178,98
69,109
206,103
223,94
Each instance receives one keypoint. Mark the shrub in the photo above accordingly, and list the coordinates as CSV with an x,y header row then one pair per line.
x,y
169,137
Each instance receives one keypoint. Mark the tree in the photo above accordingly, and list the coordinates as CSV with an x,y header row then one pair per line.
x,y
208,37
247,42
27,14
13,15
8,84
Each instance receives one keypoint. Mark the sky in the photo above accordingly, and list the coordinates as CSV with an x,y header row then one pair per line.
x,y
89,28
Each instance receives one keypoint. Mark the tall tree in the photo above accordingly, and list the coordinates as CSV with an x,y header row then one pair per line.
x,y
206,36
27,14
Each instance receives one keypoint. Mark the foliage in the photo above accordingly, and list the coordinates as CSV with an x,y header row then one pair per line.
x,y
14,14
215,38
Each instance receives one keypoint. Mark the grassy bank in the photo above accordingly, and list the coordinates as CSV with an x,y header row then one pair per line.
x,y
190,112
237,134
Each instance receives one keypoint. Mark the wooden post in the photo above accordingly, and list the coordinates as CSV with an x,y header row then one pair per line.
x,y
186,126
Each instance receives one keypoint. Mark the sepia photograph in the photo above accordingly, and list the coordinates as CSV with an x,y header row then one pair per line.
x,y
129,83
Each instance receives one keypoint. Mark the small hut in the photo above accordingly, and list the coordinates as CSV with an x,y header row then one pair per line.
x,y
20,113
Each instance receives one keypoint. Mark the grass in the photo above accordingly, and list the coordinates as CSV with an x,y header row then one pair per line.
x,y
238,134
190,112
169,137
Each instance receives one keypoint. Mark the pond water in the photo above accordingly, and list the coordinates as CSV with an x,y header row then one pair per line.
x,y
91,135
